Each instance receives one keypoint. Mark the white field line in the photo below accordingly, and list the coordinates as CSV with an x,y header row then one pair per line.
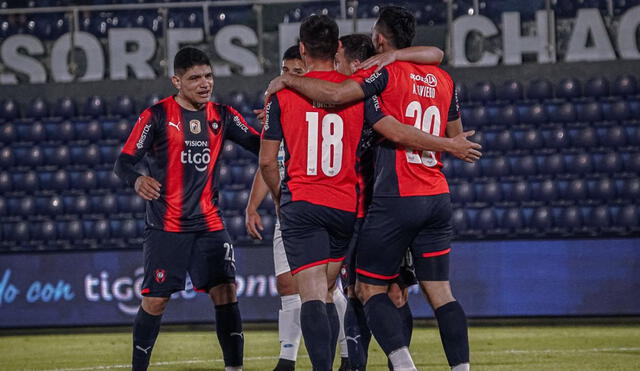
x,y
506,351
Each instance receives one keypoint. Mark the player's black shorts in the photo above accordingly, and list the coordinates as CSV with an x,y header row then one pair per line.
x,y
168,256
422,223
314,234
348,273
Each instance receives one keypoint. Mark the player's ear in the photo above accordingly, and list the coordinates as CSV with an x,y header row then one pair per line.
x,y
175,80
302,49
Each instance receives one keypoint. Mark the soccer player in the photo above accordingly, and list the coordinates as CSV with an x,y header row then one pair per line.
x,y
411,204
182,137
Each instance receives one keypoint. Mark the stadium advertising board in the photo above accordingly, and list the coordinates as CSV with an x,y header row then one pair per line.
x,y
490,278
132,52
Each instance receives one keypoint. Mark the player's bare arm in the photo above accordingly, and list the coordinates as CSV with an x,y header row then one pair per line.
x,y
411,137
147,188
318,90
252,219
416,54
269,167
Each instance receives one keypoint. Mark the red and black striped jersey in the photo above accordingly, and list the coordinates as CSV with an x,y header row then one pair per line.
x,y
182,149
320,143
422,96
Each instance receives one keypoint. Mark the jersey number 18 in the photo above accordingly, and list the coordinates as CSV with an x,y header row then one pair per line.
x,y
331,152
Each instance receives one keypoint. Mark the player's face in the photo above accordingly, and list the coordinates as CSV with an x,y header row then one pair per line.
x,y
196,84
293,66
343,64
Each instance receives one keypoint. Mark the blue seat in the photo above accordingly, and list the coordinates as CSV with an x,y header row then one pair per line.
x,y
65,107
56,155
570,218
229,151
617,110
589,111
243,174
483,91
556,138
6,183
25,181
603,189
71,230
462,193
569,88
632,134
510,90
532,114
49,206
489,192
28,156
124,228
45,231
107,179
542,219
21,206
613,136
83,180
239,200
574,190
597,217
561,112
7,158
94,107
499,141
552,164
528,139
460,220
268,204
627,216
523,165
104,204
118,130
585,137
59,130
235,226
9,109
512,219
597,87
508,115
544,191
632,162
628,189
91,130
607,163
137,204
268,222
540,89
123,106
31,132
625,85
85,155
109,153
495,167
38,108
519,191
8,133
224,176
16,232
100,230
486,220
477,117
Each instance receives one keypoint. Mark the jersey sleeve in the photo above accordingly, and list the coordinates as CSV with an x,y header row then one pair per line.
x,y
375,83
373,110
454,107
240,132
137,145
272,129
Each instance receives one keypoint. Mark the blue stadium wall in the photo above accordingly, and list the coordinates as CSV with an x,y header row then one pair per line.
x,y
586,277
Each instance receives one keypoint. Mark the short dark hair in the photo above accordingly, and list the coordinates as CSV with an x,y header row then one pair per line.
x,y
398,25
319,34
189,57
292,53
357,46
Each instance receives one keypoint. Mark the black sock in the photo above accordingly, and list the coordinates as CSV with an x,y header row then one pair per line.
x,y
285,365
334,325
407,322
145,332
384,320
316,332
230,336
357,333
452,323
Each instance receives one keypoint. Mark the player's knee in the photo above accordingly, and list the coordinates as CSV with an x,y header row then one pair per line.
x,y
397,296
223,294
365,291
437,292
286,284
154,306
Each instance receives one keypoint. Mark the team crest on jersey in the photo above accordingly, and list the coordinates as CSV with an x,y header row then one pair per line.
x,y
215,126
160,275
194,126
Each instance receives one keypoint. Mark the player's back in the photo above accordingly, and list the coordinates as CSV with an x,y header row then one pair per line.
x,y
417,95
320,144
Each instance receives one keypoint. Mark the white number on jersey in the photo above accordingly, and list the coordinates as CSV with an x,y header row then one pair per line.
x,y
429,122
331,150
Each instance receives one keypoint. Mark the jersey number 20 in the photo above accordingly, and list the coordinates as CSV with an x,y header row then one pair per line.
x,y
429,122
331,151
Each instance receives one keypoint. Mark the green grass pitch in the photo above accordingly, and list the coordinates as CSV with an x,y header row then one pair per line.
x,y
581,347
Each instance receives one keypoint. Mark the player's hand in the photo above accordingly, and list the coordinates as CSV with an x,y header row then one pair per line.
x,y
147,188
465,149
253,222
275,86
259,114
380,60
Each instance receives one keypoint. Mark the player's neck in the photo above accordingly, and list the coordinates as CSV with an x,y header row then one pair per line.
x,y
187,104
320,64
386,48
